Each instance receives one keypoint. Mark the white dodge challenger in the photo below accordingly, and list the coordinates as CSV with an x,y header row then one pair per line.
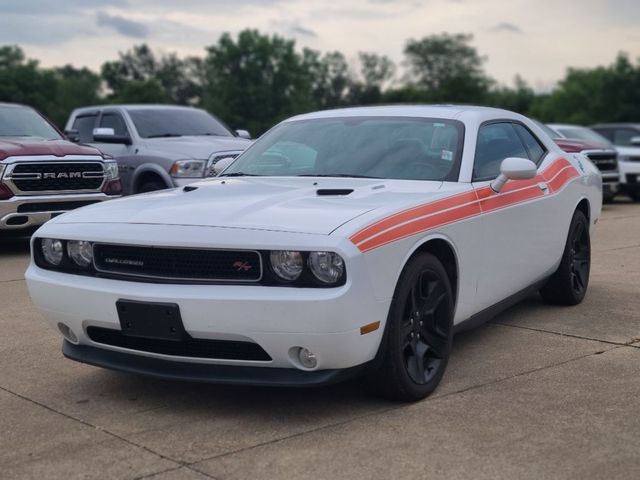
x,y
344,242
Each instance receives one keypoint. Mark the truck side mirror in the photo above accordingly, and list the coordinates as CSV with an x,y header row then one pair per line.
x,y
243,134
108,135
72,135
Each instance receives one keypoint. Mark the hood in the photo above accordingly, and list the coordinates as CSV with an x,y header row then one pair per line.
x,y
574,145
300,205
10,147
196,147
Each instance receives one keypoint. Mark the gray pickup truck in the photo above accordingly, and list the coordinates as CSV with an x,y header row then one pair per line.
x,y
156,146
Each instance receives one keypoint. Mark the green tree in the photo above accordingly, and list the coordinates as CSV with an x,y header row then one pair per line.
x,y
255,80
74,88
376,72
446,67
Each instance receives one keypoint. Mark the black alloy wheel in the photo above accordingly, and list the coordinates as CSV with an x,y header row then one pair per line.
x,y
417,340
568,285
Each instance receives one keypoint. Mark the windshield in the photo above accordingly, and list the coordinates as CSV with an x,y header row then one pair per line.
x,y
380,147
582,133
176,122
25,122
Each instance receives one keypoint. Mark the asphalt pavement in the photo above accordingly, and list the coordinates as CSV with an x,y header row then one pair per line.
x,y
539,392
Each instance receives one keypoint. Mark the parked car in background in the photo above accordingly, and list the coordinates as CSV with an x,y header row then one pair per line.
x,y
576,138
626,138
349,242
156,146
43,175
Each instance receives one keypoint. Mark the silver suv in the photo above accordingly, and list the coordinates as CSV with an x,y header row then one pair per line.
x,y
156,146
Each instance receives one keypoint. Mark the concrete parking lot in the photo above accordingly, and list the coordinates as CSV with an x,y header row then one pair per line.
x,y
540,392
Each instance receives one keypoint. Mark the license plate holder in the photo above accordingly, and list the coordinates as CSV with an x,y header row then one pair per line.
x,y
160,321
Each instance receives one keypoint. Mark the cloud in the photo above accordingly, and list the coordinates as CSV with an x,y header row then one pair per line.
x,y
506,27
126,27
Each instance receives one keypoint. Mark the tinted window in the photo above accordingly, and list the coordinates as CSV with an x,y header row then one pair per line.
x,y
115,121
623,136
380,147
496,142
176,122
25,122
531,143
84,125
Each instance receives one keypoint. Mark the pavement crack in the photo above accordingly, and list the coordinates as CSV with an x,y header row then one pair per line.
x,y
570,335
95,427
621,248
193,465
12,280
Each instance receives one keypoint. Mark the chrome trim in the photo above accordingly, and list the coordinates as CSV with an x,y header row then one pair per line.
x,y
9,176
177,279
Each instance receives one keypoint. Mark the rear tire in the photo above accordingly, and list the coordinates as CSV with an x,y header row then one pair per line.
x,y
417,341
634,195
569,283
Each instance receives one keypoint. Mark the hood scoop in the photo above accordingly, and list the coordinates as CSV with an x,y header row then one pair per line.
x,y
334,192
189,188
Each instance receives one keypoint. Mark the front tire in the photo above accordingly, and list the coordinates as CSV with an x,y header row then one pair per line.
x,y
569,283
417,342
634,195
151,186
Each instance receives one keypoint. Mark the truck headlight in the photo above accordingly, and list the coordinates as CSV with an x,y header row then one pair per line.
x,y
327,267
80,252
52,251
287,264
111,169
188,168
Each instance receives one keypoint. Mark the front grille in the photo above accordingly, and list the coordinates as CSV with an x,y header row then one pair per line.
x,y
604,161
57,176
192,347
634,159
52,206
181,264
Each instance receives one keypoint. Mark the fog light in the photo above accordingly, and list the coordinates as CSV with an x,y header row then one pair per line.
x,y
307,358
67,333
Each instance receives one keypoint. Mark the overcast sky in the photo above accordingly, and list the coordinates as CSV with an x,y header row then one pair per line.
x,y
538,39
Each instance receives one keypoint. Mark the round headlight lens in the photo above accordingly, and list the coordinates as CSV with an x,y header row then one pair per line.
x,y
327,267
287,264
52,251
80,252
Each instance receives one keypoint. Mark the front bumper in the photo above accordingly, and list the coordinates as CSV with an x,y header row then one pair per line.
x,y
629,175
203,373
278,319
25,211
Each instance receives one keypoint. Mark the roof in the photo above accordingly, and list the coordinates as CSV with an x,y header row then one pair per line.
x,y
619,124
14,105
452,112
137,106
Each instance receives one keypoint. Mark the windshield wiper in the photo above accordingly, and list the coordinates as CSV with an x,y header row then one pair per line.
x,y
345,175
239,174
165,135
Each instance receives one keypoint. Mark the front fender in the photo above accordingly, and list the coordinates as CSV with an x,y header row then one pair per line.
x,y
150,168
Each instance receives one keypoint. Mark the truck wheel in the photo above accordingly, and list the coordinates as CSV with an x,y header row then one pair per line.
x,y
151,186
569,283
635,195
419,332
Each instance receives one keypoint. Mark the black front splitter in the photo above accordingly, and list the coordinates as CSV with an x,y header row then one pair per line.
x,y
206,373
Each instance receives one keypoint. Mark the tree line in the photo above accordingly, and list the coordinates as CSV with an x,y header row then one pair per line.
x,y
254,80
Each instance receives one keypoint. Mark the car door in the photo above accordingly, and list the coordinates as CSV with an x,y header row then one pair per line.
x,y
121,152
517,241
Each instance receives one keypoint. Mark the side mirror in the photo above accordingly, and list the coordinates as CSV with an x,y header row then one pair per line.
x,y
72,135
108,135
514,168
635,141
243,134
220,166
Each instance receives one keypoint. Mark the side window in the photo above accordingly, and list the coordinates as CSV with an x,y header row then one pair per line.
x,y
623,136
532,144
115,121
496,142
605,132
84,125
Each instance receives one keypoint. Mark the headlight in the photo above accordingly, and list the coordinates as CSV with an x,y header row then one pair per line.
x,y
111,169
287,264
52,251
80,252
188,168
327,267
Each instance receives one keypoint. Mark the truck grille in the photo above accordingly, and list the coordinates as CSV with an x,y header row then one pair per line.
x,y
605,161
177,264
57,176
191,347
